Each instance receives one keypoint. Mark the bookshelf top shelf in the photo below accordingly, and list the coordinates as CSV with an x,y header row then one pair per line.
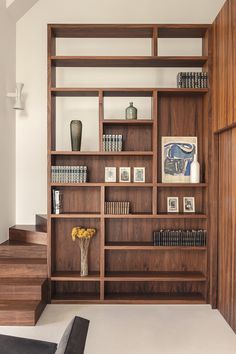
x,y
102,153
128,31
129,61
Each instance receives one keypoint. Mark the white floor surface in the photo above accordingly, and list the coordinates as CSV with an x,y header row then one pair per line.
x,y
141,329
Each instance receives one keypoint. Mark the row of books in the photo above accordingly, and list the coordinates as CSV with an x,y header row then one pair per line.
x,y
117,208
69,174
192,80
180,238
112,142
57,201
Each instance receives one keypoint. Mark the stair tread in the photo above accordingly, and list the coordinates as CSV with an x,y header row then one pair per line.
x,y
22,281
31,228
23,261
19,305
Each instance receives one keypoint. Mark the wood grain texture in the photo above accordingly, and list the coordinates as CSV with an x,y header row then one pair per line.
x,y
224,64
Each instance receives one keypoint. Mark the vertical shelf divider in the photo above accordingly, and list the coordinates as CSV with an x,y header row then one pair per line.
x,y
101,118
102,244
154,42
154,149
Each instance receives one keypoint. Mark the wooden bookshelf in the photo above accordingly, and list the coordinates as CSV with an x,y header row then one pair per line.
x,y
124,265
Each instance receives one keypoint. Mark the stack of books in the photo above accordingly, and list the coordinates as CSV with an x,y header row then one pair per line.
x,y
57,201
112,142
69,174
192,80
117,208
180,238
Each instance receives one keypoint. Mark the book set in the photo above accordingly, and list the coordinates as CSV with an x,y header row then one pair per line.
x,y
69,174
194,238
192,80
117,208
112,142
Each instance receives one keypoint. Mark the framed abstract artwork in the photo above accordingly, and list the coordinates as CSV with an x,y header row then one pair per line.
x,y
177,155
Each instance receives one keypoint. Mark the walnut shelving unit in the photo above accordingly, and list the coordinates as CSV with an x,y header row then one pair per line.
x,y
124,265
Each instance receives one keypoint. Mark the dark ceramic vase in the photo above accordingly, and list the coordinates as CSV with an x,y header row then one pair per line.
x,y
76,134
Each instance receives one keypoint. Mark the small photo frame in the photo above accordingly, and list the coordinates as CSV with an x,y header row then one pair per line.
x,y
110,174
189,204
139,174
172,204
124,175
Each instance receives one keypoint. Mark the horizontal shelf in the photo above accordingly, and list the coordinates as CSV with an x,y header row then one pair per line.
x,y
159,298
182,185
75,216
155,276
74,276
157,216
129,61
129,246
128,122
103,184
121,92
129,31
102,153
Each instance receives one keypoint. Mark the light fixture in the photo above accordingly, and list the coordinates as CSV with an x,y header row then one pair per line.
x,y
17,95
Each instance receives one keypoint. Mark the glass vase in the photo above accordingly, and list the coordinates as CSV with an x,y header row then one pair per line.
x,y
76,134
84,247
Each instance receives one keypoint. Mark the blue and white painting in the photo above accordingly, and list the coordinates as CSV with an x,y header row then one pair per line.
x,y
177,156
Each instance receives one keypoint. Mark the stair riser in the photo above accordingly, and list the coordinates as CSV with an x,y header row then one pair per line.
x,y
42,222
23,252
39,238
20,292
17,318
23,270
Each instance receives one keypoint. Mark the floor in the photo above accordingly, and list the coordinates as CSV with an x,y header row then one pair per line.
x,y
147,329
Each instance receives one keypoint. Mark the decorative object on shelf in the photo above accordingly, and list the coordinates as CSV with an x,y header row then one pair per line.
x,y
131,112
177,156
192,80
117,208
139,174
112,142
110,174
69,174
190,238
57,199
18,96
189,204
172,204
124,174
84,236
195,170
76,134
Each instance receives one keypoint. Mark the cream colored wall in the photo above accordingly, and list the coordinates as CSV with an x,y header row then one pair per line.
x,y
31,68
7,123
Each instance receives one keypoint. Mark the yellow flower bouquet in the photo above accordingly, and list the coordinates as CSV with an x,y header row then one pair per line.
x,y
84,236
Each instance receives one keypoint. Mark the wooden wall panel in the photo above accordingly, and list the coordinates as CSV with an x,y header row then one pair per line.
x,y
226,226
224,67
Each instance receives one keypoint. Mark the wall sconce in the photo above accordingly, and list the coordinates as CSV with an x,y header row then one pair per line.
x,y
18,96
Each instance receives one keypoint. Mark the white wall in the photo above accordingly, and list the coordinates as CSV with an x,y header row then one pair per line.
x,y
7,123
31,68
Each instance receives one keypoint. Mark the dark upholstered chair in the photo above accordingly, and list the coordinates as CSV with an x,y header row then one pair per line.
x,y
72,341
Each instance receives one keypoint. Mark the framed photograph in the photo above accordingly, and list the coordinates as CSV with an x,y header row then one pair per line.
x,y
189,204
172,204
177,155
139,174
110,174
124,175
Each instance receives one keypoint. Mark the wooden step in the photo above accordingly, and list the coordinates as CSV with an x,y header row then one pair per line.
x,y
23,289
16,249
28,233
20,313
41,221
23,267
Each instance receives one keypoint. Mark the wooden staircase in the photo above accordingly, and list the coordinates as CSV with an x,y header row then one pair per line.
x,y
23,274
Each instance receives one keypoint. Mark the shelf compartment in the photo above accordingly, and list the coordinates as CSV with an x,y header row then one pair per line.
x,y
77,200
75,291
140,198
74,276
129,61
148,246
155,276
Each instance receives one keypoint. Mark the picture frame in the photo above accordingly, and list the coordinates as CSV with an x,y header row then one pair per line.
x,y
110,174
177,155
124,174
172,204
189,204
139,174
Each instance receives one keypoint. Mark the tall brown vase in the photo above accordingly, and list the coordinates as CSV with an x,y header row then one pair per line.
x,y
76,134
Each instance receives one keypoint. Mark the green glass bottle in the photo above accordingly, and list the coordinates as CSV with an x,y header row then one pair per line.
x,y
131,112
